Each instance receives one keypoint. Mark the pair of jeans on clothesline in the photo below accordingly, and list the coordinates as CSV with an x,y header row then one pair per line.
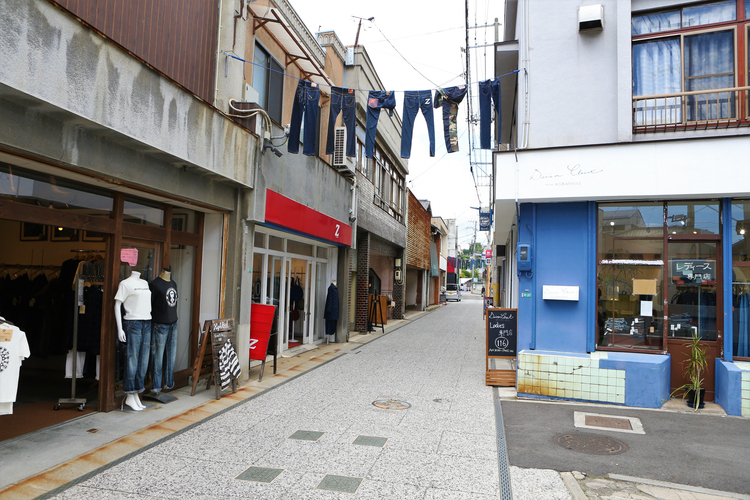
x,y
449,99
489,91
342,101
376,100
414,101
305,107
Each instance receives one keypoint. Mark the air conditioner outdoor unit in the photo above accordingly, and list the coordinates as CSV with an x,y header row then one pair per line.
x,y
339,147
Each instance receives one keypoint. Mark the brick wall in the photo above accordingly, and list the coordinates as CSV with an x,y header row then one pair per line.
x,y
418,234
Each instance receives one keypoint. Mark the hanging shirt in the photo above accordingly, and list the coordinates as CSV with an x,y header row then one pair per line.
x,y
163,301
12,353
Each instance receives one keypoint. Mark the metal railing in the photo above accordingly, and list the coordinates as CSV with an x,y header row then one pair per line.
x,y
692,110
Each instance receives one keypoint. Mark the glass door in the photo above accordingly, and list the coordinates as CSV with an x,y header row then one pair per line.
x,y
693,292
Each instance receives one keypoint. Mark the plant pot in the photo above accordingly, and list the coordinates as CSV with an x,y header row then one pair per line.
x,y
690,397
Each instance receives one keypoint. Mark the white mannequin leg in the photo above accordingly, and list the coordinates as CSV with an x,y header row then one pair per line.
x,y
132,401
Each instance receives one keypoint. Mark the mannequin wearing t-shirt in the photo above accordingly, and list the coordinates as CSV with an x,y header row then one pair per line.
x,y
163,330
134,329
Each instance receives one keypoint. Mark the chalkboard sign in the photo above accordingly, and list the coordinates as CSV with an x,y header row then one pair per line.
x,y
502,332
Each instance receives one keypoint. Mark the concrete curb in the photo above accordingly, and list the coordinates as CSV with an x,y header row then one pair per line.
x,y
675,486
574,488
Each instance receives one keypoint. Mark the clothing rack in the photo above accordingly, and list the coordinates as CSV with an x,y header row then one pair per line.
x,y
78,285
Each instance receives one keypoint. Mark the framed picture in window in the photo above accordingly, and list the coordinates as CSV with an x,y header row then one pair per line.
x,y
58,233
33,232
92,236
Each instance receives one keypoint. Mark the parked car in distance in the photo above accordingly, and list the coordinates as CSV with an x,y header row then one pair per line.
x,y
452,292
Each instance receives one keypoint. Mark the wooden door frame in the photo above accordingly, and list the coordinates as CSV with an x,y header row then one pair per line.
x,y
677,347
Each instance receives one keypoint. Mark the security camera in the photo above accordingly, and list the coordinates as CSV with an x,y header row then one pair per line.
x,y
352,219
274,149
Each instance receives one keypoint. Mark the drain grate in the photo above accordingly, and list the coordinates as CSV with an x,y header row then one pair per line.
x,y
591,444
343,484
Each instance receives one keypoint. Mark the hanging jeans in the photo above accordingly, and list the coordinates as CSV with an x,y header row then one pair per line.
x,y
376,100
489,91
138,336
342,100
449,99
305,106
163,352
414,100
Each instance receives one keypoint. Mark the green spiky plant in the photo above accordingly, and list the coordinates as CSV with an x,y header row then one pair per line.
x,y
694,365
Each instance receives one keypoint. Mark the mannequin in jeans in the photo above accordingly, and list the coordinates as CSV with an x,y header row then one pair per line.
x,y
134,330
163,330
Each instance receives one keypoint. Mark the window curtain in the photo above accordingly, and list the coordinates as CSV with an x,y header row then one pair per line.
x,y
709,64
656,70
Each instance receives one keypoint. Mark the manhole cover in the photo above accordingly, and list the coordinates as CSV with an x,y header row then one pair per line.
x,y
591,444
391,404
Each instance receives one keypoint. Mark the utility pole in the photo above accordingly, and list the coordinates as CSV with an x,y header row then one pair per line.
x,y
356,39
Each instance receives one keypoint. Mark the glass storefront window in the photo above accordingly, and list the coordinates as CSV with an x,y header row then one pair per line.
x,y
630,310
184,220
322,253
138,212
182,260
275,243
693,217
299,248
33,188
630,268
260,240
741,278
692,289
256,277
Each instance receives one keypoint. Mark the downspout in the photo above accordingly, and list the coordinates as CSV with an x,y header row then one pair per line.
x,y
532,344
218,53
353,213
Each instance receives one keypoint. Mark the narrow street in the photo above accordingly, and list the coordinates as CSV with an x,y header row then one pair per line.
x,y
323,430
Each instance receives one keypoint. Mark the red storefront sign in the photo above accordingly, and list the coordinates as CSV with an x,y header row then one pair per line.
x,y
287,213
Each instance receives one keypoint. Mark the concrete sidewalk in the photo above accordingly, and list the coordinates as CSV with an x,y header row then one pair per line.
x,y
40,461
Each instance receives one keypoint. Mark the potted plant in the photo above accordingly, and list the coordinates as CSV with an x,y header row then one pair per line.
x,y
694,366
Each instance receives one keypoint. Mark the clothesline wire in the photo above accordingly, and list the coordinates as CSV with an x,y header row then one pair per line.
x,y
227,54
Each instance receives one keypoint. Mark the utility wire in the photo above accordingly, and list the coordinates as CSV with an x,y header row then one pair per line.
x,y
402,56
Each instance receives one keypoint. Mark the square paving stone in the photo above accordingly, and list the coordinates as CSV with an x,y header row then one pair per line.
x,y
370,441
260,474
343,484
306,435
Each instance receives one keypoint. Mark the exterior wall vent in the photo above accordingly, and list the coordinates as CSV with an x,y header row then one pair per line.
x,y
591,18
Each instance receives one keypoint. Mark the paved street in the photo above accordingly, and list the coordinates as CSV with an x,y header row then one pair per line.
x,y
444,445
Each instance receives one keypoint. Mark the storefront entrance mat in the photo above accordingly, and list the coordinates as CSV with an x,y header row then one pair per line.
x,y
260,474
370,441
343,484
306,435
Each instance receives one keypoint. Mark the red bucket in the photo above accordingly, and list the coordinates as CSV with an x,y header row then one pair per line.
x,y
261,321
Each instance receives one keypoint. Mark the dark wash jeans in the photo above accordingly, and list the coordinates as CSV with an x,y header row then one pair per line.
x,y
342,100
414,100
376,100
489,91
138,336
305,107
163,353
449,99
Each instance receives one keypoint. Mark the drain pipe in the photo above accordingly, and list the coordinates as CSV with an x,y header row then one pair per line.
x,y
353,212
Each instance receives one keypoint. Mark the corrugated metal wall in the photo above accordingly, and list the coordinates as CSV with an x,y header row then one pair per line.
x,y
177,37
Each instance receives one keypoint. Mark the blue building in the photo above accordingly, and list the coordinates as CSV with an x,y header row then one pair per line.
x,y
623,197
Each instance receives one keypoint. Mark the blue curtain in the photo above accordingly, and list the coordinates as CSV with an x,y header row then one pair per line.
x,y
743,335
657,70
709,64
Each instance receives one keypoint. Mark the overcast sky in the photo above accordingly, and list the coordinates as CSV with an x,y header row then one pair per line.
x,y
430,36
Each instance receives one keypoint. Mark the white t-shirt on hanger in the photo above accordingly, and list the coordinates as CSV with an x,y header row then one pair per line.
x,y
17,350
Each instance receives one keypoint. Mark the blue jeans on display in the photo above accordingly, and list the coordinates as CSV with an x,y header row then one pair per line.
x,y
489,91
376,100
305,106
138,336
414,100
163,353
449,99
342,100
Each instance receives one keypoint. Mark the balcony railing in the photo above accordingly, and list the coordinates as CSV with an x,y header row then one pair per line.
x,y
693,110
